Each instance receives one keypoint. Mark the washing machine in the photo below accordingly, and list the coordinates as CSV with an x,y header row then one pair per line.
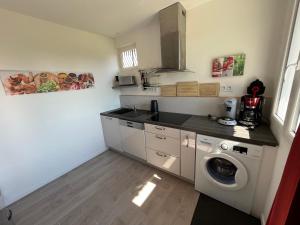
x,y
227,171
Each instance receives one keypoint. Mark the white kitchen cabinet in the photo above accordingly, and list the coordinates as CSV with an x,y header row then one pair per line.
x,y
163,147
133,138
188,154
111,132
163,143
167,162
167,131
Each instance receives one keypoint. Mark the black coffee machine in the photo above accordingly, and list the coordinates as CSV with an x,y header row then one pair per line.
x,y
252,104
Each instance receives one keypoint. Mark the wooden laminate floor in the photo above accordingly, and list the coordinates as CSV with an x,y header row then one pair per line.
x,y
110,190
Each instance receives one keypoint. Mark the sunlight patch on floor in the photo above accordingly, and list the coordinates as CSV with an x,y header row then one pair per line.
x,y
144,194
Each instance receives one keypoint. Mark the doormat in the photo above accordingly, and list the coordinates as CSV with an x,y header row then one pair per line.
x,y
212,212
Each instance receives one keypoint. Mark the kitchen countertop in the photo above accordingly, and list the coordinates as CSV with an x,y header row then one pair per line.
x,y
261,135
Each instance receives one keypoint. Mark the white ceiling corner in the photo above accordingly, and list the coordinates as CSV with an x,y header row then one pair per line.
x,y
107,17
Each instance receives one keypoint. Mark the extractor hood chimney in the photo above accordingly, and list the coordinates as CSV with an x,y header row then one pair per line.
x,y
173,38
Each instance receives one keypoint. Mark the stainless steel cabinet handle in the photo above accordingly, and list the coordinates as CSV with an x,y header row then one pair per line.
x,y
108,118
161,138
205,142
159,128
161,155
187,140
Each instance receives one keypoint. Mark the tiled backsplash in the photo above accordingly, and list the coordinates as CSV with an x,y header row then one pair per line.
x,y
188,105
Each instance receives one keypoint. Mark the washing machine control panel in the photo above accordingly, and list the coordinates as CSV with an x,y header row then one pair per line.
x,y
234,148
224,146
240,149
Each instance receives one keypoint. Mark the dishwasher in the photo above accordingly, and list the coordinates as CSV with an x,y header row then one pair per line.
x,y
133,138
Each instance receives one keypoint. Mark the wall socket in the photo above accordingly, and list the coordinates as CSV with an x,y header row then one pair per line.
x,y
226,88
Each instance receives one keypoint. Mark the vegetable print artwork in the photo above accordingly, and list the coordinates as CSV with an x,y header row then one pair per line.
x,y
26,82
229,66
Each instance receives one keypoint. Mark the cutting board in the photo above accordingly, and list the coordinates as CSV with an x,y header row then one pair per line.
x,y
168,90
209,89
188,88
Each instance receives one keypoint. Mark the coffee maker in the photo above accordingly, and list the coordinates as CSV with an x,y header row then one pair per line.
x,y
252,104
230,112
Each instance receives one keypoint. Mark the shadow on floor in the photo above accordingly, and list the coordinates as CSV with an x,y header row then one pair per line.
x,y
212,212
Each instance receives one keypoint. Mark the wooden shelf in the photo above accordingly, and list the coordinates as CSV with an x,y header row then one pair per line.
x,y
121,86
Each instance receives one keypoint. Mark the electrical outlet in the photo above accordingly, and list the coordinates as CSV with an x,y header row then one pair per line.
x,y
226,88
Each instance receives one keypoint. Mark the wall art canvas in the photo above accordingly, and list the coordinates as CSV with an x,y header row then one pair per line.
x,y
229,66
29,82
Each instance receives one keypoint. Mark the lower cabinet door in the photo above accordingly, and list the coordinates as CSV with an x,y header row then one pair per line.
x,y
133,141
164,161
111,132
188,154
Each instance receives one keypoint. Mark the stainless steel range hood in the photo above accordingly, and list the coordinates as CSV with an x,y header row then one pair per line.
x,y
173,38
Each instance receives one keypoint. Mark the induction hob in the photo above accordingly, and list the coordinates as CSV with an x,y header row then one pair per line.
x,y
170,118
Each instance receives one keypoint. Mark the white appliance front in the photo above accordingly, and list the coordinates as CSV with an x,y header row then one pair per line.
x,y
227,171
133,138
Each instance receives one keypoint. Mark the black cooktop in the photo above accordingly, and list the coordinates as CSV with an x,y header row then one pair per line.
x,y
173,118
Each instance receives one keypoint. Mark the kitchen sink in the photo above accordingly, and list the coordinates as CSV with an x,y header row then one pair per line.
x,y
134,114
122,111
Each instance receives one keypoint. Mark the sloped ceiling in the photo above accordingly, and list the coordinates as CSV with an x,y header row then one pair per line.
x,y
107,17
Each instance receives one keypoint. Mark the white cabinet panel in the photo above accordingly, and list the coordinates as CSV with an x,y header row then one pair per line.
x,y
164,161
188,154
111,132
133,141
167,131
163,143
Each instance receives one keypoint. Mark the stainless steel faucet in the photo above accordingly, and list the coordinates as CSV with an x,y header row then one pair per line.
x,y
132,106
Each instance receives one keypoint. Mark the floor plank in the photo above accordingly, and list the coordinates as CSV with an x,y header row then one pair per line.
x,y
104,191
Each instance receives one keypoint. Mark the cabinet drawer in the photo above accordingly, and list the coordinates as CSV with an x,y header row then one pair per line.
x,y
163,161
167,131
163,143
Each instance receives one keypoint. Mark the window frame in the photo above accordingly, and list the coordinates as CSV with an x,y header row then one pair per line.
x,y
295,103
120,56
285,65
291,117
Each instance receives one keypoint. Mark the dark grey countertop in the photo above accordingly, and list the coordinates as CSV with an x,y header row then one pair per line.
x,y
261,135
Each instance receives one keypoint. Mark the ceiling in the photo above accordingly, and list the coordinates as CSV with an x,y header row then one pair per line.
x,y
108,17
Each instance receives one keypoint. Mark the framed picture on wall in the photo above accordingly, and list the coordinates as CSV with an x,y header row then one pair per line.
x,y
29,82
229,66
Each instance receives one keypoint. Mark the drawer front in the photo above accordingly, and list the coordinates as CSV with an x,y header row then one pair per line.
x,y
163,143
163,161
167,131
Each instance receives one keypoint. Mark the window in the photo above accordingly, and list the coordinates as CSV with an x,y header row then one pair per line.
x,y
297,123
290,69
128,57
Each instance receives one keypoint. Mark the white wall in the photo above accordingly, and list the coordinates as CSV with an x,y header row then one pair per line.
x,y
280,130
43,136
216,28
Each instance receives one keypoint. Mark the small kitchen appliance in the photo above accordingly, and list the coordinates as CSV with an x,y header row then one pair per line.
x,y
154,106
252,104
126,80
230,112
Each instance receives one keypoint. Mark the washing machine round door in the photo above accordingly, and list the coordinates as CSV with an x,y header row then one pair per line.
x,y
224,171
